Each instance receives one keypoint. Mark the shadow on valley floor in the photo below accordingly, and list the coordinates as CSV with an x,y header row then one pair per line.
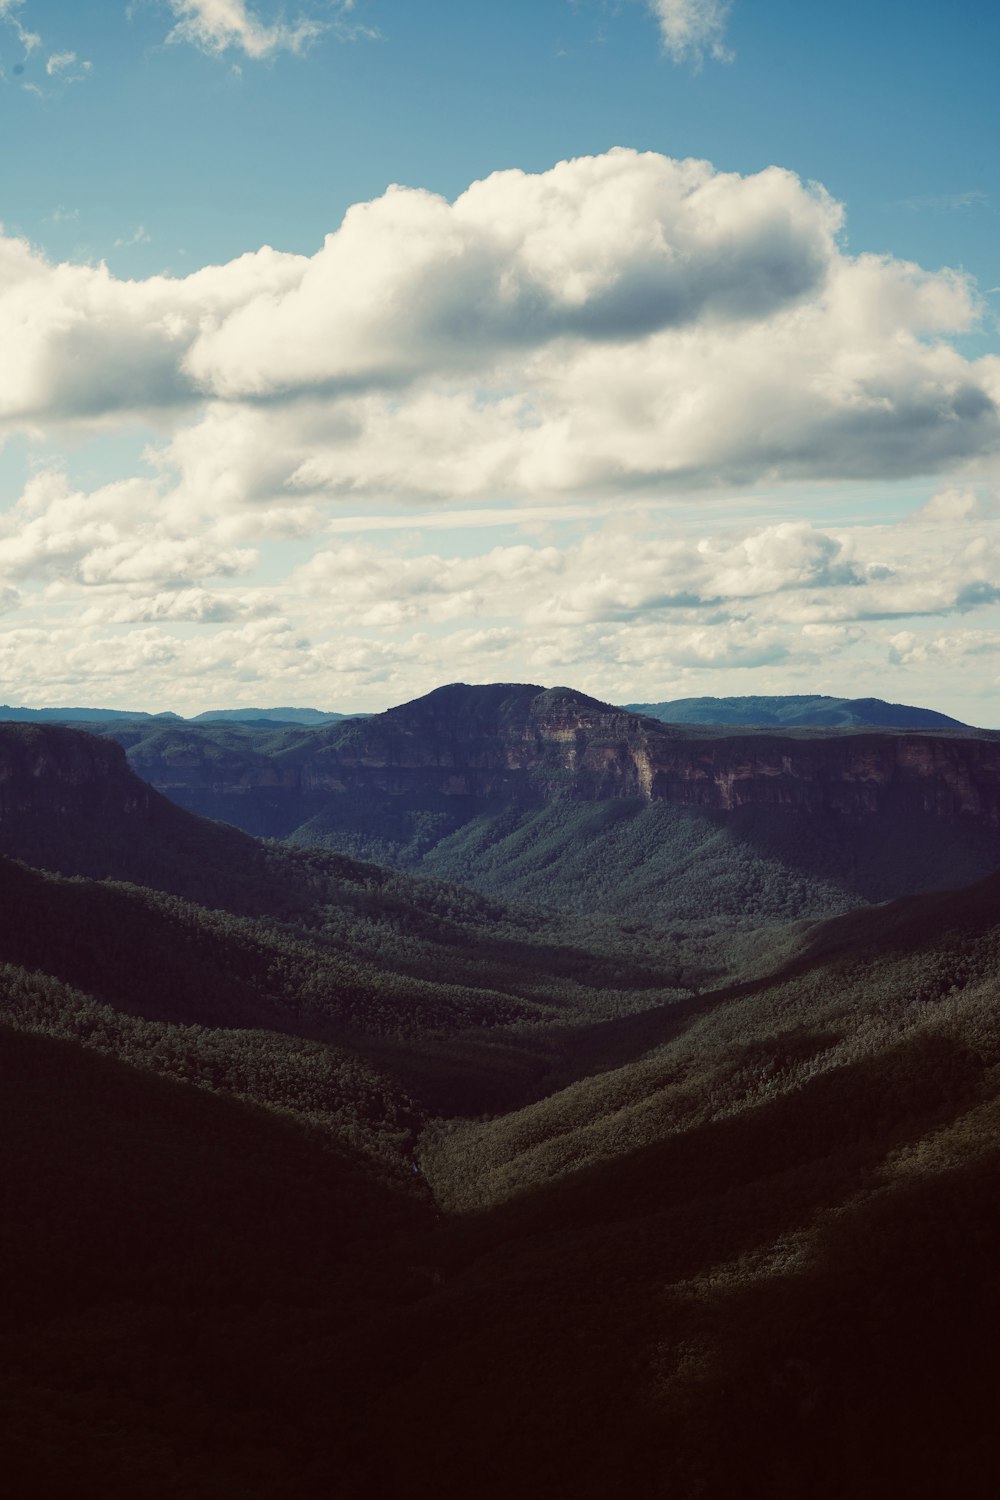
x,y
754,1309
643,1316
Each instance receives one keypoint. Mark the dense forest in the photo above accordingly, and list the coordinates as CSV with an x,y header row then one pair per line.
x,y
327,1178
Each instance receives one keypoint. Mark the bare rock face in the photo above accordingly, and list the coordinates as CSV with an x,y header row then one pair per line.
x,y
853,775
518,740
535,744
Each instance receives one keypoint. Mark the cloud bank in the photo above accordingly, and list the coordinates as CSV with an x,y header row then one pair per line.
x,y
620,322
614,333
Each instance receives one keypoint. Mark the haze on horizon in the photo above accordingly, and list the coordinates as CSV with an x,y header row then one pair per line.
x,y
350,349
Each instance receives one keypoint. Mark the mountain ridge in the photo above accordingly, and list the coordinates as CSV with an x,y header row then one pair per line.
x,y
797,710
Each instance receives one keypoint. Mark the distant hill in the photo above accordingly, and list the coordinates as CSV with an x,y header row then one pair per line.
x,y
109,715
796,710
73,715
276,715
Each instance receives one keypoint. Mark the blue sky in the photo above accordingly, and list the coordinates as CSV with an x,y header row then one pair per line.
x,y
343,476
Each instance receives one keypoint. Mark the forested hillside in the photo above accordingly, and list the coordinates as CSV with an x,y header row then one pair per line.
x,y
333,1186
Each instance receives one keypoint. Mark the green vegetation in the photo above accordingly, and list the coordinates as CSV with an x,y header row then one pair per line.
x,y
323,1178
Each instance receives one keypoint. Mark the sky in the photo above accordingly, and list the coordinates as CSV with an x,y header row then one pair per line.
x,y
644,346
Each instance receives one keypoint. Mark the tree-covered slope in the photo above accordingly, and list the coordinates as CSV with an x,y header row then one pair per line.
x,y
196,1287
796,710
765,1211
920,975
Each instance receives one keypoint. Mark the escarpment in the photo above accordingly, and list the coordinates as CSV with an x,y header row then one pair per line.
x,y
530,745
51,770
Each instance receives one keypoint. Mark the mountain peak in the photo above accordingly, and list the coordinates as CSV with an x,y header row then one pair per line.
x,y
499,705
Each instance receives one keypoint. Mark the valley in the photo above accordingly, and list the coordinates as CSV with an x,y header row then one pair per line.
x,y
615,1109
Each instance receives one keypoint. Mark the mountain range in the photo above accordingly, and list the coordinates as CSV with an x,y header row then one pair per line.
x,y
105,715
817,710
549,796
327,1177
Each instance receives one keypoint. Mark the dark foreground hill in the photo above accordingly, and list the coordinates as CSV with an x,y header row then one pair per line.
x,y
545,795
736,1243
797,710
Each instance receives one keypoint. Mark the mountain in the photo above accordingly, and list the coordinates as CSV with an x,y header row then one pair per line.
x,y
547,795
73,715
275,715
109,715
796,711
348,1188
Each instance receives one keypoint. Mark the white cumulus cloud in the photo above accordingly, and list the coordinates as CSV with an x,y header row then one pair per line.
x,y
617,323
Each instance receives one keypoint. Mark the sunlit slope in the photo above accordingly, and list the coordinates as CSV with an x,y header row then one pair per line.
x,y
918,979
753,866
769,1213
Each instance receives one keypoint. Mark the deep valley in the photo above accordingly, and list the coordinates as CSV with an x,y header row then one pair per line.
x,y
552,1102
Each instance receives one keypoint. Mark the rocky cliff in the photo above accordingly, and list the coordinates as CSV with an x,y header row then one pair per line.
x,y
57,772
527,744
70,802
544,795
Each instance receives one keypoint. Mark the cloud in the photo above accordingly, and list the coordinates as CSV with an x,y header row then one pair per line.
x,y
943,203
789,576
217,25
906,648
80,343
619,324
60,67
693,29
188,605
139,236
119,534
127,595
601,249
67,67
9,13
956,505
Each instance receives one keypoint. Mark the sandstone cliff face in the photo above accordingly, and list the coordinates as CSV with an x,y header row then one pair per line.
x,y
56,771
853,776
528,744
519,743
